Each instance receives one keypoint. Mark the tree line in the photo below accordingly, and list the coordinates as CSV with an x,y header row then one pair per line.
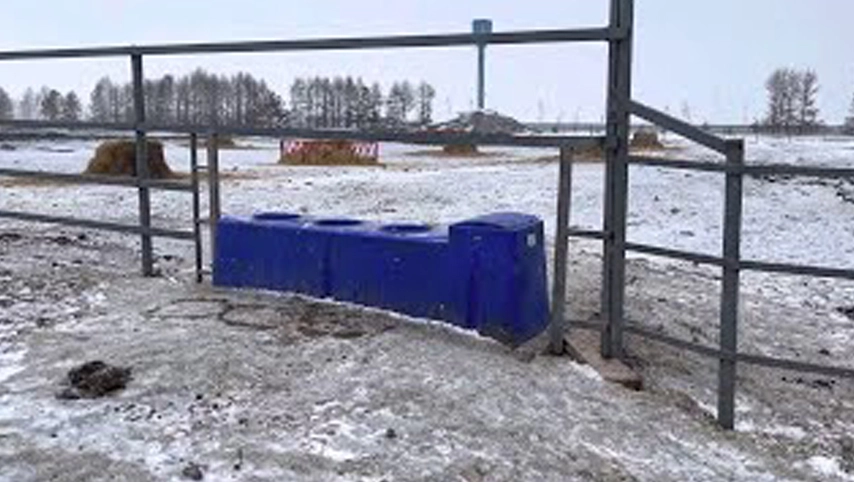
x,y
323,102
47,103
241,99
197,98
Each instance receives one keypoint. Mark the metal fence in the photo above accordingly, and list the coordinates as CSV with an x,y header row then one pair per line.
x,y
614,325
618,34
144,185
141,128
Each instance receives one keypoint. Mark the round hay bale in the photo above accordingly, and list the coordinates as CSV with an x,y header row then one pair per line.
x,y
591,154
460,150
118,158
646,139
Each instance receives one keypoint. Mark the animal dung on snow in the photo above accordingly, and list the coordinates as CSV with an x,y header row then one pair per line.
x,y
94,379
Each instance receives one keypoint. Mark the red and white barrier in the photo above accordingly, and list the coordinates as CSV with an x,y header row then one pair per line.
x,y
297,147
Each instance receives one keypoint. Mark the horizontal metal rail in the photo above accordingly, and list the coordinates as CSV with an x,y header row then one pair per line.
x,y
803,171
673,124
643,332
758,360
803,367
352,43
795,269
97,179
586,233
592,325
770,267
680,164
729,129
87,223
419,137
81,125
675,254
755,169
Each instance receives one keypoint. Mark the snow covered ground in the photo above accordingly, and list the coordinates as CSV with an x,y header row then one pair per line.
x,y
264,387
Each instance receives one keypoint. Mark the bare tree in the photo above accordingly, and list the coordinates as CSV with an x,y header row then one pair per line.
x,y
807,93
400,101
70,107
407,98
776,88
790,85
162,103
50,106
426,94
28,107
375,103
299,102
395,103
7,109
99,101
849,121
363,104
182,100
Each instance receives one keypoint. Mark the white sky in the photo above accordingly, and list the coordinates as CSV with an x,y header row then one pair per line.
x,y
712,55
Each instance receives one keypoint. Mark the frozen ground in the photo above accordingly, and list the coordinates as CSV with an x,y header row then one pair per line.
x,y
263,387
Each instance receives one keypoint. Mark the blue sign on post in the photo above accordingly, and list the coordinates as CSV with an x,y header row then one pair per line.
x,y
481,26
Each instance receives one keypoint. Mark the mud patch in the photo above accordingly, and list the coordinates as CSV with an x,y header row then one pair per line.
x,y
191,309
322,319
296,318
260,316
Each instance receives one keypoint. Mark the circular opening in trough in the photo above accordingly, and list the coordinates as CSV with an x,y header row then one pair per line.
x,y
409,228
275,216
337,222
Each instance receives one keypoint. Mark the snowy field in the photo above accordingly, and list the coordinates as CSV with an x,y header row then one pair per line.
x,y
265,387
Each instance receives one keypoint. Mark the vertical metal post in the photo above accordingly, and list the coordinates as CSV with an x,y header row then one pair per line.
x,y
194,181
481,76
730,288
616,178
480,29
213,188
557,328
142,175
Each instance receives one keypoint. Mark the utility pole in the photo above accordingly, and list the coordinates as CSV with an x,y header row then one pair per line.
x,y
481,29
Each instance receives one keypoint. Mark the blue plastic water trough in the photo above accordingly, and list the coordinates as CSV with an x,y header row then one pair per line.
x,y
486,273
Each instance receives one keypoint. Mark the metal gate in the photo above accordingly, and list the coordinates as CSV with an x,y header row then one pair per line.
x,y
618,34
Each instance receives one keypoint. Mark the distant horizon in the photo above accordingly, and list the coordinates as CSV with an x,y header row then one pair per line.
x,y
708,60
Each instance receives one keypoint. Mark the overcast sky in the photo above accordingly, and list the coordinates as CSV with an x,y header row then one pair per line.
x,y
712,56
